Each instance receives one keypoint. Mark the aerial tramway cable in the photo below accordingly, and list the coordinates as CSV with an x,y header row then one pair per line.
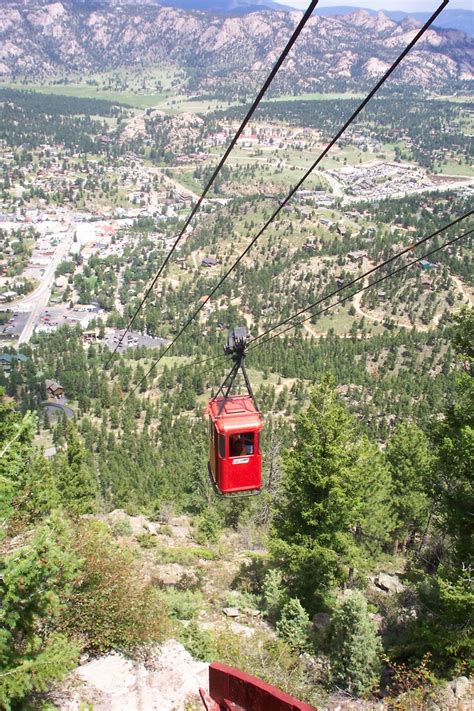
x,y
362,288
366,274
219,166
257,342
323,153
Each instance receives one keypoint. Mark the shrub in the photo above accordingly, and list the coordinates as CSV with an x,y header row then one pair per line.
x,y
355,647
273,661
183,555
110,607
198,642
121,527
183,604
294,625
147,540
208,527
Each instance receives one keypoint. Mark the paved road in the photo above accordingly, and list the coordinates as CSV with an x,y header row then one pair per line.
x,y
38,299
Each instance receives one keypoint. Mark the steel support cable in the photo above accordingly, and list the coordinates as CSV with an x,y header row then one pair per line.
x,y
366,274
219,166
256,341
363,288
272,218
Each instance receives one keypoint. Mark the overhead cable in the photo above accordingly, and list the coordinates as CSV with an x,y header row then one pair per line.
x,y
362,288
257,342
219,166
301,181
366,274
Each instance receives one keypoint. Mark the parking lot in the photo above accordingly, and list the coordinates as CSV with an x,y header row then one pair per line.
x,y
14,327
132,340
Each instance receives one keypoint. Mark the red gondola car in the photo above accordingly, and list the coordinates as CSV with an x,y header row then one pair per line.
x,y
235,460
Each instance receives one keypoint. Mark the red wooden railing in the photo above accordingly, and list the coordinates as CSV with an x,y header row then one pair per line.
x,y
233,690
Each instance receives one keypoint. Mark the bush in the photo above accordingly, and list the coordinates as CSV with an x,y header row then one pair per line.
x,y
183,604
183,555
110,607
121,527
147,540
273,661
198,642
294,625
208,527
355,647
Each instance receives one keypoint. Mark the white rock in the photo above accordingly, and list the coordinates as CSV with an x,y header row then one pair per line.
x,y
460,686
231,611
115,683
389,583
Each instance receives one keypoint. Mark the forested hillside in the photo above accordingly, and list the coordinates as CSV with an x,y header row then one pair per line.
x,y
336,509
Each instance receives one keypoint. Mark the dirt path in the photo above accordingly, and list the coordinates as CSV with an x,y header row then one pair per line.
x,y
310,329
466,295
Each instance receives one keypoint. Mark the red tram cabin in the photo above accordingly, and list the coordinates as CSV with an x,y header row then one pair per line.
x,y
235,460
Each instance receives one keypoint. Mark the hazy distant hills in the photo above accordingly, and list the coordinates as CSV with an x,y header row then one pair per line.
x,y
462,20
225,54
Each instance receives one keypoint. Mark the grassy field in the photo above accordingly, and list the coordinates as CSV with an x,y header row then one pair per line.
x,y
452,167
463,99
139,91
83,91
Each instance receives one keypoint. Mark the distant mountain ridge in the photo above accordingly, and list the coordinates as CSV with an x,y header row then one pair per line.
x,y
225,55
462,20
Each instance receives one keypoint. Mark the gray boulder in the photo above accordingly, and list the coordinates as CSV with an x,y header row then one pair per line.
x,y
389,583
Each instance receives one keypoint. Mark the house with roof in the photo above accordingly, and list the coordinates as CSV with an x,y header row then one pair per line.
x,y
357,256
426,265
54,389
8,295
209,262
7,360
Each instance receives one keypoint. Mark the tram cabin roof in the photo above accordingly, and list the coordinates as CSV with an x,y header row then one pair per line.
x,y
238,414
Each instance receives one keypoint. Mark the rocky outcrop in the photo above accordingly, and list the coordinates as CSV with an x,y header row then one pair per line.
x,y
167,682
41,40
389,583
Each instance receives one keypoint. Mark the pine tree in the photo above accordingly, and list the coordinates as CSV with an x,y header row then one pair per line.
x,y
294,625
324,501
75,479
35,578
355,647
454,449
16,451
445,622
410,462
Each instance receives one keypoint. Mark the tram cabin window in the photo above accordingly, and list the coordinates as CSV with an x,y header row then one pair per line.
x,y
241,444
221,443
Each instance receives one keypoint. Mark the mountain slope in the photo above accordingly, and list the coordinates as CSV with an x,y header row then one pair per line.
x,y
226,54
